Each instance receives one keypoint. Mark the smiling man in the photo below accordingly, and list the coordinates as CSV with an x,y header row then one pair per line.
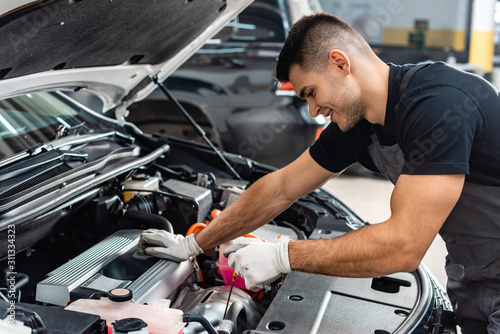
x,y
431,129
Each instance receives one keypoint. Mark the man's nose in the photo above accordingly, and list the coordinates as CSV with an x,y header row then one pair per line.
x,y
314,109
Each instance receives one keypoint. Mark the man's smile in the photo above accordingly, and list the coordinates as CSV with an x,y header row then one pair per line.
x,y
326,112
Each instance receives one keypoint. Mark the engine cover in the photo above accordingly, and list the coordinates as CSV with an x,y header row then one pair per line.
x,y
113,263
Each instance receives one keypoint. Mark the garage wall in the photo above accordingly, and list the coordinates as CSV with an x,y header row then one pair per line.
x,y
388,22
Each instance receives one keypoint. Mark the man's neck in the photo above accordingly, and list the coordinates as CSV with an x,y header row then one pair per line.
x,y
375,86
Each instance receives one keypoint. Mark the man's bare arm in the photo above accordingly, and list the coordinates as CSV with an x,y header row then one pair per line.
x,y
264,200
420,204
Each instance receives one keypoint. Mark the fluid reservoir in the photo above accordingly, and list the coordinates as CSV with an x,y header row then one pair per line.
x,y
139,182
119,305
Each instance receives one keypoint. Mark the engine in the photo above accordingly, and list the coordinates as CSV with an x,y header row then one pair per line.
x,y
115,219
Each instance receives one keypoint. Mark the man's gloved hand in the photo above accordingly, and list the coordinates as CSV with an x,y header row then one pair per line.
x,y
259,263
165,245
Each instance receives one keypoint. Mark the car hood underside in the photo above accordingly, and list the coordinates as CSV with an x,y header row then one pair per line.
x,y
143,38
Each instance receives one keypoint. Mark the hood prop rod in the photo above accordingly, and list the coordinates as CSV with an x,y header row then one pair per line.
x,y
197,128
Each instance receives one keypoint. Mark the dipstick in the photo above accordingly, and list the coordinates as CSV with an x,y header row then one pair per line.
x,y
230,291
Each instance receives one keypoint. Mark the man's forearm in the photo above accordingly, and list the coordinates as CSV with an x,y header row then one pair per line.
x,y
264,200
256,207
419,206
372,251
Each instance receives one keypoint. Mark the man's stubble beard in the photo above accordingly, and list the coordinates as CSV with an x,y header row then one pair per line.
x,y
352,112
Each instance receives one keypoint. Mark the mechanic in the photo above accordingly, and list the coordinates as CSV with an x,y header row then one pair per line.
x,y
431,129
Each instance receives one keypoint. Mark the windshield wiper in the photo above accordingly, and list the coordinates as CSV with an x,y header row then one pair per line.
x,y
62,142
197,128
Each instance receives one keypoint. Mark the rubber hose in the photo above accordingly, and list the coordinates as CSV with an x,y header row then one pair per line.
x,y
234,311
151,220
201,320
21,280
299,232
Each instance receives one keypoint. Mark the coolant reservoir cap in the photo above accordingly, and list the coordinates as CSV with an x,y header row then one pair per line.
x,y
140,177
120,295
128,325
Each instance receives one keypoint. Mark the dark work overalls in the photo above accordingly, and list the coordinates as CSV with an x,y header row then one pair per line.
x,y
472,236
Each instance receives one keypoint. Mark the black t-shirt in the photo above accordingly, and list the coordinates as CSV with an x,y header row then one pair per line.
x,y
447,122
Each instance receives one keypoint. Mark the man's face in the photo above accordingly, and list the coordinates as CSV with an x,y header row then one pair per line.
x,y
329,94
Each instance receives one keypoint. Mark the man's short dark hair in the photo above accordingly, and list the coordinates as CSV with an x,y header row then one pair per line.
x,y
312,37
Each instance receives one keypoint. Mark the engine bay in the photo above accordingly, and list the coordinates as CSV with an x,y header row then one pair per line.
x,y
87,247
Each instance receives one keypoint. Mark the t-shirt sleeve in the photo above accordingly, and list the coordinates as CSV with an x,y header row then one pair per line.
x,y
437,128
332,150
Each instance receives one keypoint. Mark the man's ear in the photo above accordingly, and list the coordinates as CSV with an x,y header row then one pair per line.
x,y
340,61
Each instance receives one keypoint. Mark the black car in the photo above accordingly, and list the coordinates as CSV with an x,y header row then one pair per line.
x,y
228,86
77,189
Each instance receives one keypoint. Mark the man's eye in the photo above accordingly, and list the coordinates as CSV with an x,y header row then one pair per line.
x,y
310,94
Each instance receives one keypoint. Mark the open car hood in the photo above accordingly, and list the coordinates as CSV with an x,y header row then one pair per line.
x,y
112,48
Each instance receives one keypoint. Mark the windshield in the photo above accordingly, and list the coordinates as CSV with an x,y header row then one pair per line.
x,y
36,118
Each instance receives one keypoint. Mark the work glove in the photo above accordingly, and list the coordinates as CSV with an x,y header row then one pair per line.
x,y
165,245
259,263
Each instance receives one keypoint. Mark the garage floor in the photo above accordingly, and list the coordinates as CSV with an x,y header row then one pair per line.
x,y
369,198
